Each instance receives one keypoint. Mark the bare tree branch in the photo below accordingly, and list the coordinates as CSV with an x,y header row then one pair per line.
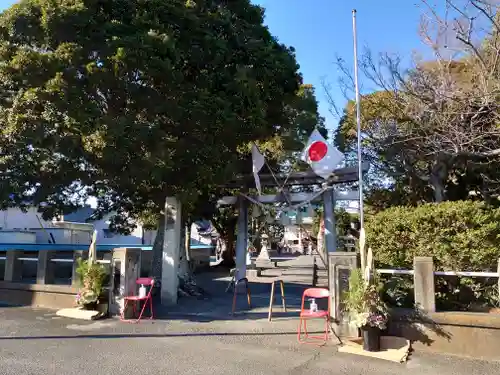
x,y
437,116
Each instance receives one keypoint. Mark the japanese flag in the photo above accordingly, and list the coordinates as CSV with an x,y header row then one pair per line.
x,y
321,156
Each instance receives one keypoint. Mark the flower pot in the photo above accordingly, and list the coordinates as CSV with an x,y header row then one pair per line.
x,y
371,338
103,308
90,306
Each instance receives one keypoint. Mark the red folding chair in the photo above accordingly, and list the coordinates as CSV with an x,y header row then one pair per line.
x,y
147,299
305,315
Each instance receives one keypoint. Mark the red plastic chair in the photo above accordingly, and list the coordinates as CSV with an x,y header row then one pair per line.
x,y
147,299
305,315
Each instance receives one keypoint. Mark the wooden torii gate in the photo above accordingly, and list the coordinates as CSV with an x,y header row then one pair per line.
x,y
329,197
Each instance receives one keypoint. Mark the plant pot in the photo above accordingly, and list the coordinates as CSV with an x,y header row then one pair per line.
x,y
371,339
103,308
90,306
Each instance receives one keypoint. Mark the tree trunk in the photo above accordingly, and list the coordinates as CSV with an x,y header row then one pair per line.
x,y
187,243
439,191
183,273
225,226
187,282
439,174
157,257
229,252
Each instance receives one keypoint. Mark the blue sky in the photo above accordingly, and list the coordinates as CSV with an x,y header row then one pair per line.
x,y
320,30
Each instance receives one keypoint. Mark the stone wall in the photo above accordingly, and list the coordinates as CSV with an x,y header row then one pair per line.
x,y
471,334
47,296
475,335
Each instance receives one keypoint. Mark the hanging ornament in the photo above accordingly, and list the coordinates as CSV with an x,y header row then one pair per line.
x,y
298,218
285,218
309,211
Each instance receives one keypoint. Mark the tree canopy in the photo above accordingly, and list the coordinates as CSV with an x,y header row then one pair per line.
x,y
281,153
131,101
434,129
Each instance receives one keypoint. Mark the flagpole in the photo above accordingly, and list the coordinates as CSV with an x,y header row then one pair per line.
x,y
358,123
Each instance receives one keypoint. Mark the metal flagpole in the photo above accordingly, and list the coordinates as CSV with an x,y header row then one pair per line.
x,y
358,122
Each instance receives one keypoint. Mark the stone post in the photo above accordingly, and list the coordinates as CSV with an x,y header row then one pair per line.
x,y
423,283
125,270
340,266
242,238
330,230
171,251
77,254
45,267
13,266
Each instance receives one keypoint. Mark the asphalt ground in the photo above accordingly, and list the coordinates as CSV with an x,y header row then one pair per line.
x,y
37,342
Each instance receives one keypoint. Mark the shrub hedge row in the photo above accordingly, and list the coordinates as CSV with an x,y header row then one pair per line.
x,y
460,235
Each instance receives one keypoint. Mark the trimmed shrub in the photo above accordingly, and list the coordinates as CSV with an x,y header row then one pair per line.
x,y
460,235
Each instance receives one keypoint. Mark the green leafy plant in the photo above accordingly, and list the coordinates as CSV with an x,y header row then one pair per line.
x,y
343,220
91,277
363,302
460,236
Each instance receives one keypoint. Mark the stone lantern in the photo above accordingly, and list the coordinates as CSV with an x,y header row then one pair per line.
x,y
264,254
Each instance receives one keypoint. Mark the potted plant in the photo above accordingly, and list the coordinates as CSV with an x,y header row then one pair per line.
x,y
91,279
366,309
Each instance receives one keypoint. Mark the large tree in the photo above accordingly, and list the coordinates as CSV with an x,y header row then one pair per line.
x,y
133,101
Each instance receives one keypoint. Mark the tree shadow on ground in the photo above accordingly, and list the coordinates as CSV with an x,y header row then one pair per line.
x,y
217,303
415,325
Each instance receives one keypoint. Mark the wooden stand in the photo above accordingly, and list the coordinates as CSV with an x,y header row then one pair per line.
x,y
235,293
271,299
232,274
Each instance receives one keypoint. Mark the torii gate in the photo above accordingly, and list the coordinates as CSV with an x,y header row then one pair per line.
x,y
172,240
329,197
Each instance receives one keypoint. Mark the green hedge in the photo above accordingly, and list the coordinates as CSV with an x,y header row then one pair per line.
x,y
461,236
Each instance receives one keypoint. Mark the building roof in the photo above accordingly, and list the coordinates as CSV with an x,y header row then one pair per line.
x,y
82,215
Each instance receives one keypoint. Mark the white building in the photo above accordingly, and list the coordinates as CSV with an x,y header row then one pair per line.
x,y
104,235
77,228
297,228
74,228
16,224
15,219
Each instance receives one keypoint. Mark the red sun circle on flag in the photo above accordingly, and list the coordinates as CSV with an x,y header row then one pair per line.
x,y
317,151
